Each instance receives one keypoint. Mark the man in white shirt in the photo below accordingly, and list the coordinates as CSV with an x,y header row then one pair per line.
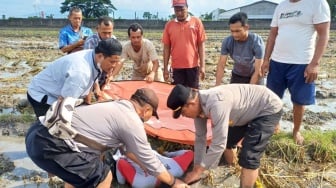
x,y
72,75
297,40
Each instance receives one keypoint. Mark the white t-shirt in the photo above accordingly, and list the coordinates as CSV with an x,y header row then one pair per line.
x,y
295,42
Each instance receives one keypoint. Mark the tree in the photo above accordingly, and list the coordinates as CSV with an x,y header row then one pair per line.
x,y
147,15
90,9
206,16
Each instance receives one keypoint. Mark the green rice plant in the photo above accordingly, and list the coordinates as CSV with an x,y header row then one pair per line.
x,y
318,146
283,146
321,145
22,118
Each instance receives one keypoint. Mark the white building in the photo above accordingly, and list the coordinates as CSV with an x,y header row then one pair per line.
x,y
258,10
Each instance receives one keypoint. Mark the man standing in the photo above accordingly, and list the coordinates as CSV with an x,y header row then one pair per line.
x,y
104,31
72,36
254,110
116,124
142,52
72,75
293,53
245,48
183,40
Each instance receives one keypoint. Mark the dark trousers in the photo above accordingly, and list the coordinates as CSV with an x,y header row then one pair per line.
x,y
188,77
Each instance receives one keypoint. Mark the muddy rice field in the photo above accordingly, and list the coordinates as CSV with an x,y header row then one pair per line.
x,y
25,52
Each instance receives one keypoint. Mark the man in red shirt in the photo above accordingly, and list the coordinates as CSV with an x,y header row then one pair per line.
x,y
183,39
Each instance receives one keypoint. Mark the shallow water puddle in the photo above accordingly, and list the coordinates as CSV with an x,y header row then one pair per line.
x,y
14,148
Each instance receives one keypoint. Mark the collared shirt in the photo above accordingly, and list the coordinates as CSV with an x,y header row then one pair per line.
x,y
116,124
183,39
69,76
229,105
92,41
68,36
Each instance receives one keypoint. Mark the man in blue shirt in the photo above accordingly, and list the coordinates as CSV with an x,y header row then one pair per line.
x,y
104,31
72,75
72,36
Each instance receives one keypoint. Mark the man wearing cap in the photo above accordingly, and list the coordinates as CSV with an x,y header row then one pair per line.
x,y
253,109
72,75
183,40
115,124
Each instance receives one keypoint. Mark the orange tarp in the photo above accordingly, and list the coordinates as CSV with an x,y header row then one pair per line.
x,y
179,130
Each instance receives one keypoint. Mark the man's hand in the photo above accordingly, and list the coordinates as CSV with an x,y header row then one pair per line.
x,y
202,73
150,77
311,72
265,67
166,75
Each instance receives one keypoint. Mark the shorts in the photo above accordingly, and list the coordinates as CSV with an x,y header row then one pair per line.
x,y
282,76
80,169
188,77
256,137
235,78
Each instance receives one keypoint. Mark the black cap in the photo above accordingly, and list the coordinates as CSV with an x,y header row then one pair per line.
x,y
148,96
177,98
109,47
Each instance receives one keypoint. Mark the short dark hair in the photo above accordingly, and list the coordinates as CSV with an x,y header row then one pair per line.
x,y
239,17
134,27
109,47
106,20
74,9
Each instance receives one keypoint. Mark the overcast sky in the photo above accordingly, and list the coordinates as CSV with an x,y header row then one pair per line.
x,y
127,9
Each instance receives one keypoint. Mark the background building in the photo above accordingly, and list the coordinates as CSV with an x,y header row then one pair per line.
x,y
258,10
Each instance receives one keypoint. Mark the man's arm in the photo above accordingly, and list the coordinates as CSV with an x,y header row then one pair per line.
x,y
201,53
166,56
220,69
69,48
257,74
116,70
269,49
150,77
322,30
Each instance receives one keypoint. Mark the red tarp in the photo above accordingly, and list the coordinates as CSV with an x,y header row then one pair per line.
x,y
179,130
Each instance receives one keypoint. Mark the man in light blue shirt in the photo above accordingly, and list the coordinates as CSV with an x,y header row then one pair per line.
x,y
72,36
72,75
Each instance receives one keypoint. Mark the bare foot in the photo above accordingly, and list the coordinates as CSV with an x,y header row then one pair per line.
x,y
298,138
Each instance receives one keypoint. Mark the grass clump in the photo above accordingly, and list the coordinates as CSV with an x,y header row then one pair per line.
x,y
319,146
21,118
